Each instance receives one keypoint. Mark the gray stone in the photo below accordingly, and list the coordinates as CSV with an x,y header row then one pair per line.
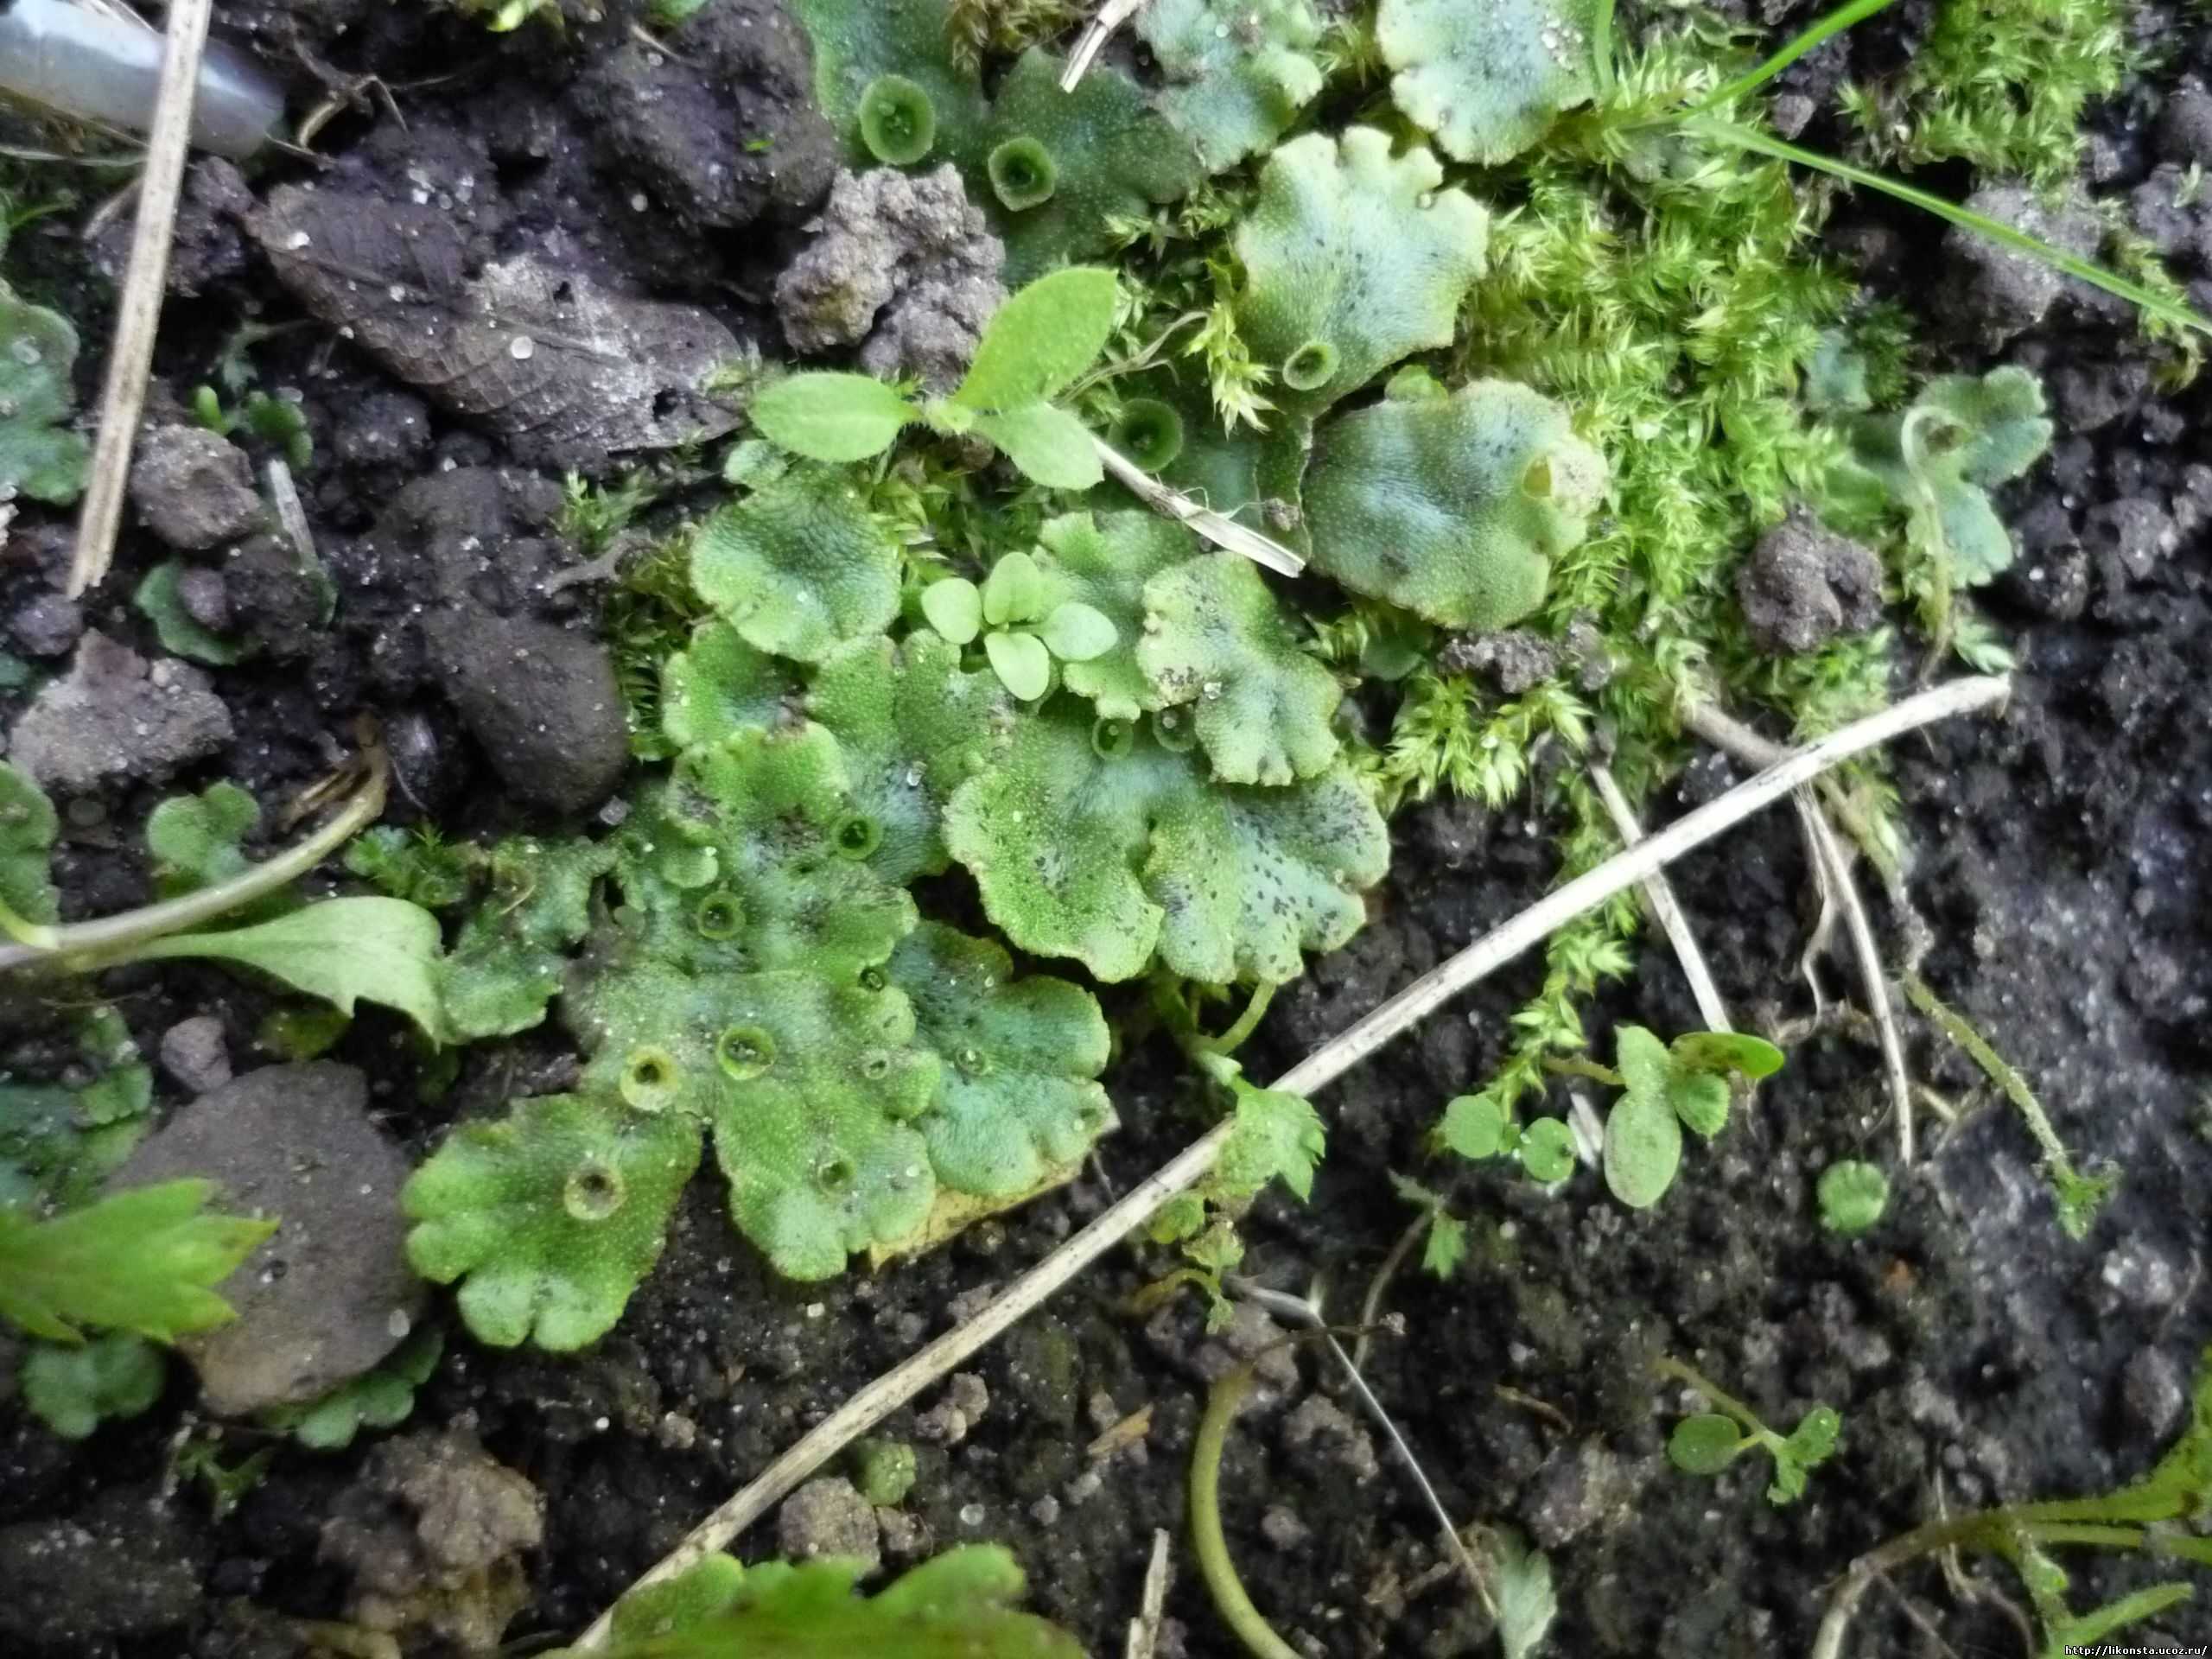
x,y
904,262
205,597
2000,292
1512,661
433,1535
541,702
2153,1393
2131,535
1803,584
2184,130
1321,1437
192,1053
828,1517
330,1293
125,1566
194,487
1574,1489
115,717
48,626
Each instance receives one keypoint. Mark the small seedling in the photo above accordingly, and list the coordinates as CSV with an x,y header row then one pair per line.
x,y
1481,1126
277,421
1445,1245
1708,1442
1664,1090
884,1472
1027,631
1033,349
1852,1196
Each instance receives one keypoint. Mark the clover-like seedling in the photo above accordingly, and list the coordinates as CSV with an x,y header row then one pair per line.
x,y
1455,507
1032,350
1486,79
1665,1091
1708,1442
898,121
1852,1195
1481,1126
1940,457
1024,633
40,457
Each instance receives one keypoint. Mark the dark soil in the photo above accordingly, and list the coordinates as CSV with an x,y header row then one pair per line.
x,y
2059,861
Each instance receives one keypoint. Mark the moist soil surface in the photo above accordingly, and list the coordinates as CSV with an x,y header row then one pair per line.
x,y
2056,867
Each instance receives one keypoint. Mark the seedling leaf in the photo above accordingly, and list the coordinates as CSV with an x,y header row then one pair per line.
x,y
143,1260
1852,1196
1046,444
1728,1051
1705,1444
1276,1137
832,416
1474,1125
1040,339
1643,1136
1547,1149
340,950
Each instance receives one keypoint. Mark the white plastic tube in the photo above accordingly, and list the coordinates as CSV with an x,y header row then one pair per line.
x,y
96,68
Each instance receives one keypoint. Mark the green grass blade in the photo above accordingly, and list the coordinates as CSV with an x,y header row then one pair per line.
x,y
1833,23
1743,138
1601,46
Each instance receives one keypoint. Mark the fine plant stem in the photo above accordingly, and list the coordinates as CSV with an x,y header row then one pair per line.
x,y
1219,528
1955,1026
1255,1009
1370,1307
1581,1065
1733,737
139,313
1741,136
1099,30
1207,1543
1874,983
82,947
1298,1309
1833,23
1720,1399
1144,1628
1601,49
883,1395
1659,894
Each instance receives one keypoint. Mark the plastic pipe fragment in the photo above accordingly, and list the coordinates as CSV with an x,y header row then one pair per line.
x,y
95,67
